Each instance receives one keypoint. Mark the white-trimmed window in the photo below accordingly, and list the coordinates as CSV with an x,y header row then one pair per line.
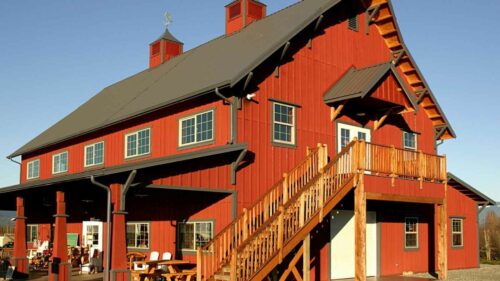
x,y
457,232
94,154
410,141
31,233
33,170
196,128
138,143
138,235
411,233
283,123
195,234
60,162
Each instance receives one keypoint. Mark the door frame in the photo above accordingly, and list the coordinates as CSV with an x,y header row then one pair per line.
x,y
100,229
345,123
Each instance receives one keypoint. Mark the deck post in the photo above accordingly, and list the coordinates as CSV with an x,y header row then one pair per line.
x,y
60,269
306,258
20,261
360,229
441,221
119,271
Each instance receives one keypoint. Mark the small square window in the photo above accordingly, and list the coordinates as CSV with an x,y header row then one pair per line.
x,y
283,123
33,170
193,235
410,141
60,163
411,233
138,234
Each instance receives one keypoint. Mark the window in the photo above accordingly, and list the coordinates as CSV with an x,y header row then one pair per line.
x,y
33,169
410,141
138,143
352,23
345,137
155,49
234,10
195,234
283,123
31,233
197,128
411,233
94,154
346,133
457,234
60,163
138,235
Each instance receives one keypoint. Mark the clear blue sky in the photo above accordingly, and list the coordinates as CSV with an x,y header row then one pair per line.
x,y
55,55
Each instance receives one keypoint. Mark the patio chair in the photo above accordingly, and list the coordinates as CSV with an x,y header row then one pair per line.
x,y
154,256
166,256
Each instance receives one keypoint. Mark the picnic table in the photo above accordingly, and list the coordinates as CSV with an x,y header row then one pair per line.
x,y
173,271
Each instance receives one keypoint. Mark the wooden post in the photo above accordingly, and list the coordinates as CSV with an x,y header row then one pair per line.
x,y
60,250
280,233
321,194
442,248
198,264
233,266
360,230
306,258
245,223
19,260
302,209
421,168
393,164
285,188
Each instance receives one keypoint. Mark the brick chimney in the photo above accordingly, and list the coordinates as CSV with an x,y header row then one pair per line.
x,y
164,48
241,13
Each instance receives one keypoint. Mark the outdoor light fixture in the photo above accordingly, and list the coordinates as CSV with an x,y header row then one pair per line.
x,y
361,114
250,96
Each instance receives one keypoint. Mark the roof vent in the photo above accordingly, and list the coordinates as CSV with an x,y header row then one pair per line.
x,y
164,48
241,13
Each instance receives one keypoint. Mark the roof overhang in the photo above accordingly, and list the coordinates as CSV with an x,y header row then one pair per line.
x,y
120,169
469,191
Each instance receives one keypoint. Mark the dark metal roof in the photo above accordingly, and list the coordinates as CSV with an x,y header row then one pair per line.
x,y
468,190
168,36
221,62
357,83
128,167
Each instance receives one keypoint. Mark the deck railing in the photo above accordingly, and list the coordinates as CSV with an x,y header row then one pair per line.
x,y
262,231
217,253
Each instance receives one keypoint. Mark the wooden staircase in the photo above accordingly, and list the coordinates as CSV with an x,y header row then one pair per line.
x,y
257,241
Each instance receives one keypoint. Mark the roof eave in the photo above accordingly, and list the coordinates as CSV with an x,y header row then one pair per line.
x,y
488,200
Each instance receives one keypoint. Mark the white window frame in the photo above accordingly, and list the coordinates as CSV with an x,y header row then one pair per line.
x,y
30,166
461,232
29,232
292,125
404,141
137,143
136,225
211,222
53,162
411,232
93,154
194,116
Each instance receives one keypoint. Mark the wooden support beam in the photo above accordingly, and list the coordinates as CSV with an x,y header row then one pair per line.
x,y
360,230
421,95
397,56
439,131
442,259
379,122
292,264
335,112
306,258
316,26
283,53
402,198
371,14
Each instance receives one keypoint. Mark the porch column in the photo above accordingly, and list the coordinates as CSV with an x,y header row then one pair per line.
x,y
442,241
60,268
119,271
20,260
360,230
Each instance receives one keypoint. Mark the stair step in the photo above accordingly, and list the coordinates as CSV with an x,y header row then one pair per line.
x,y
223,277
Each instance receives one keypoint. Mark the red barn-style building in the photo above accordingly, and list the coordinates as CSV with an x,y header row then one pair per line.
x,y
301,143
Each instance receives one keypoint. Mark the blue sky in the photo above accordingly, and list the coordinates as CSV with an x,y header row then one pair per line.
x,y
55,55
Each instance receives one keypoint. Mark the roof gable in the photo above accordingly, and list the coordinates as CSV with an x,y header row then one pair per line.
x,y
468,190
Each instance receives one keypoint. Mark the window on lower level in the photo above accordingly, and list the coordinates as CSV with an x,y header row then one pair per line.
x,y
411,233
197,128
410,141
283,123
33,170
195,234
31,233
60,163
138,235
457,234
352,23
94,154
138,143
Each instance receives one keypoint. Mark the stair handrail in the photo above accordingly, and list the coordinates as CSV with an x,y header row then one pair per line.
x,y
217,252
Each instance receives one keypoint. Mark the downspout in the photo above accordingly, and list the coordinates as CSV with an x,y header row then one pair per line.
x,y
20,165
108,226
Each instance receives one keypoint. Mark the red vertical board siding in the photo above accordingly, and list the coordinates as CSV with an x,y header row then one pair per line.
x,y
461,206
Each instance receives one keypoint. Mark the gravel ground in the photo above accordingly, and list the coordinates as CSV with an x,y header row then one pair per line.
x,y
485,273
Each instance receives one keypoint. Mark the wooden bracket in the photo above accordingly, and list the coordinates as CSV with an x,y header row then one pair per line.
x,y
370,16
334,112
379,122
283,53
292,269
439,131
316,26
247,81
397,56
420,95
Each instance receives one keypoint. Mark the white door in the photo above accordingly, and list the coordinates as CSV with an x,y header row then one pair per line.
x,y
92,234
346,133
342,244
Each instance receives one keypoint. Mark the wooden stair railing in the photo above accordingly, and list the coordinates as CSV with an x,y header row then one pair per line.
x,y
217,253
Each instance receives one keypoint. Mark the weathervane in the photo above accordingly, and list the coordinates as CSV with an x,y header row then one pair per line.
x,y
167,19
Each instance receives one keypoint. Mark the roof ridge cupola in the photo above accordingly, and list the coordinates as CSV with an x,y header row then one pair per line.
x,y
240,13
165,47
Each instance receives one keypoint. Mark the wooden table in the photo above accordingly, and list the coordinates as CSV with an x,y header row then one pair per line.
x,y
174,272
